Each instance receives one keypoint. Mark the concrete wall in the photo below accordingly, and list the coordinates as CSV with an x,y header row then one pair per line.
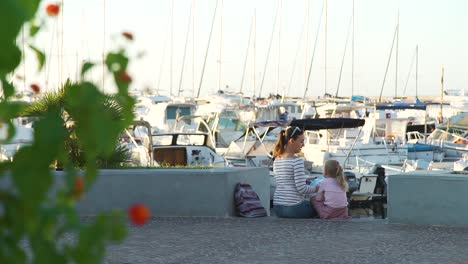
x,y
432,198
174,192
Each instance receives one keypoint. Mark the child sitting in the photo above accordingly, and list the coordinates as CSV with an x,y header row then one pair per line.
x,y
330,201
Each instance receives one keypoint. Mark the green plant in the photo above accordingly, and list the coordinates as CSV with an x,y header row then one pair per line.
x,y
31,213
57,100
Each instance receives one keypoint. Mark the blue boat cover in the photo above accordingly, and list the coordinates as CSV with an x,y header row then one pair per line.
x,y
315,124
423,147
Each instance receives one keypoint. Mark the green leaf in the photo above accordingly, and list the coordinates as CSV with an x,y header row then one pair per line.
x,y
34,29
34,180
40,57
116,62
13,14
10,56
86,67
45,251
8,89
93,238
10,110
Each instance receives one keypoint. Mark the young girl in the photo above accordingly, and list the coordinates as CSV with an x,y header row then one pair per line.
x,y
291,187
330,201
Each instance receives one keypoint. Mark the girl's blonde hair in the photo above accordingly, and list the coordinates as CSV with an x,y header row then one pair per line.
x,y
334,170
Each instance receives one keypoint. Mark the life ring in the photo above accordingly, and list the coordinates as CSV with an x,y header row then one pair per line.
x,y
390,137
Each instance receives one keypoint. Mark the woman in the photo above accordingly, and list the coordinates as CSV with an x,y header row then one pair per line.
x,y
291,187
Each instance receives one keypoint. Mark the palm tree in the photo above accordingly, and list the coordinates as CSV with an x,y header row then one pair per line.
x,y
52,102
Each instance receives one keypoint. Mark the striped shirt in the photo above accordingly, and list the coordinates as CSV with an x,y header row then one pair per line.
x,y
290,181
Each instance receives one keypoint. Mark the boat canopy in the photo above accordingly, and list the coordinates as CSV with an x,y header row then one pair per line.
x,y
315,124
401,106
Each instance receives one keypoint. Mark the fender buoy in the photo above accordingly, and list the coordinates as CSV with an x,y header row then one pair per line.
x,y
390,136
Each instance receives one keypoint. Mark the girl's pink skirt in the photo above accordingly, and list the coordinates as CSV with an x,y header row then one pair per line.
x,y
328,212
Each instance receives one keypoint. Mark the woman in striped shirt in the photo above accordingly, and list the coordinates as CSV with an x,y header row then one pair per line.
x,y
291,187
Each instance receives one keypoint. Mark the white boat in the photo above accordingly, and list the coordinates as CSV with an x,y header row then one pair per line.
x,y
354,143
452,136
162,112
24,136
185,149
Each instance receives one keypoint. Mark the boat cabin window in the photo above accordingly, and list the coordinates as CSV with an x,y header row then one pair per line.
x,y
191,140
312,137
141,110
162,140
173,112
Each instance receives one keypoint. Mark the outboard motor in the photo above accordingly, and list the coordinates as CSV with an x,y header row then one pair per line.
x,y
381,185
352,183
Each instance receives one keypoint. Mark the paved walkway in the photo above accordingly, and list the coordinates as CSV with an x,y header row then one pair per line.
x,y
275,240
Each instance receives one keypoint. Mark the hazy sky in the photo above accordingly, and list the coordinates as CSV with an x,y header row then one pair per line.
x,y
92,26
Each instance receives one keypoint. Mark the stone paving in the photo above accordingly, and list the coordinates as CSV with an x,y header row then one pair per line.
x,y
275,240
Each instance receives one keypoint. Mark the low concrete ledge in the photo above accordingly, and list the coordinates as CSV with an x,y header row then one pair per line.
x,y
432,198
174,192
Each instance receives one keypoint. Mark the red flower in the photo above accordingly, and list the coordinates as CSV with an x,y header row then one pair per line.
x,y
127,35
79,187
53,10
124,77
35,88
139,214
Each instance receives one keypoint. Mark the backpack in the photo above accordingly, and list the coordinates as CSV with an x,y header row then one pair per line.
x,y
247,201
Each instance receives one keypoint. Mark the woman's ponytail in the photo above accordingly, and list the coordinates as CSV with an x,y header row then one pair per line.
x,y
280,144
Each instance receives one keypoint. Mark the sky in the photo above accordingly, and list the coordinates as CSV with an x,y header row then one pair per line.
x,y
280,55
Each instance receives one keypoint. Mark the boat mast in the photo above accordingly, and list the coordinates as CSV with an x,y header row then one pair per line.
x,y
163,56
185,52
172,45
352,58
103,43
255,53
246,56
417,71
207,48
326,21
279,49
220,44
343,59
306,43
415,54
193,48
441,117
304,28
388,64
313,53
269,49
396,53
